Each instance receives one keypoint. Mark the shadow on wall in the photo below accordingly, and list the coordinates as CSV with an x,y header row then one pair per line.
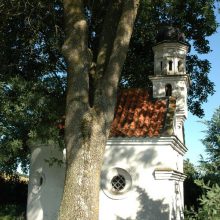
x,y
144,157
46,183
149,209
130,157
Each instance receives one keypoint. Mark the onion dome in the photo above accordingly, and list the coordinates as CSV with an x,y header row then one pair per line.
x,y
170,34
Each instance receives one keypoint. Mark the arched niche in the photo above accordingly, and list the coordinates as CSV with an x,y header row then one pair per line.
x,y
170,65
180,66
168,90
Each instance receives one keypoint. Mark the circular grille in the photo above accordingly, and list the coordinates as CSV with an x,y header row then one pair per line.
x,y
118,183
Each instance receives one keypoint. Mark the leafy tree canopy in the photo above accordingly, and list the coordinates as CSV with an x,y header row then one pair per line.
x,y
192,191
209,203
32,79
211,164
202,191
33,71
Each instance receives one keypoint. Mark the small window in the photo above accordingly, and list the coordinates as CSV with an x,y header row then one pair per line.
x,y
161,65
118,183
41,181
168,90
170,65
180,66
179,63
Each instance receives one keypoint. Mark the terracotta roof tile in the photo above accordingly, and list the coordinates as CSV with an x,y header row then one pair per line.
x,y
137,115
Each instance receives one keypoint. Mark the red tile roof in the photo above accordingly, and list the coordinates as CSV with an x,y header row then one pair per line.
x,y
138,115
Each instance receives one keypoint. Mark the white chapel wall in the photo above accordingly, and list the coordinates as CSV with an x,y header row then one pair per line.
x,y
146,198
46,183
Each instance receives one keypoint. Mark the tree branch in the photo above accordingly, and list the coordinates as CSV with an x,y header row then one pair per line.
x,y
109,83
75,51
108,34
78,58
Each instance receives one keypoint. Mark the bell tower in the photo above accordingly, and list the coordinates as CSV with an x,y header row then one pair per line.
x,y
170,78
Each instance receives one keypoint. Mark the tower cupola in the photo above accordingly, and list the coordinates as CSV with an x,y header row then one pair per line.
x,y
170,52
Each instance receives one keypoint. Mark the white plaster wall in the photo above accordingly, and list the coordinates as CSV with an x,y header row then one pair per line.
x,y
148,198
179,85
44,200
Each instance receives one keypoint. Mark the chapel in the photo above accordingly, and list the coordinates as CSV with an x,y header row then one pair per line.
x,y
142,174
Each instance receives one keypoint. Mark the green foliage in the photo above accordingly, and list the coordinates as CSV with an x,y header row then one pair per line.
x,y
211,165
209,201
209,178
201,87
190,170
32,75
192,191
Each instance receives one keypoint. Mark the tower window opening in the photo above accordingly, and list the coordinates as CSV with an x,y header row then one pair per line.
x,y
170,65
161,65
180,66
41,181
168,90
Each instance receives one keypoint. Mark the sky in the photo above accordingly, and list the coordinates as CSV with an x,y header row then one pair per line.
x,y
194,129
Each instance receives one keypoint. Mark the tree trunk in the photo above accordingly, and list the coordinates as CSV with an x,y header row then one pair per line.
x,y
87,127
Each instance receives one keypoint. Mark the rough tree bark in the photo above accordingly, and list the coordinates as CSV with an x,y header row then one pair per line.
x,y
88,122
